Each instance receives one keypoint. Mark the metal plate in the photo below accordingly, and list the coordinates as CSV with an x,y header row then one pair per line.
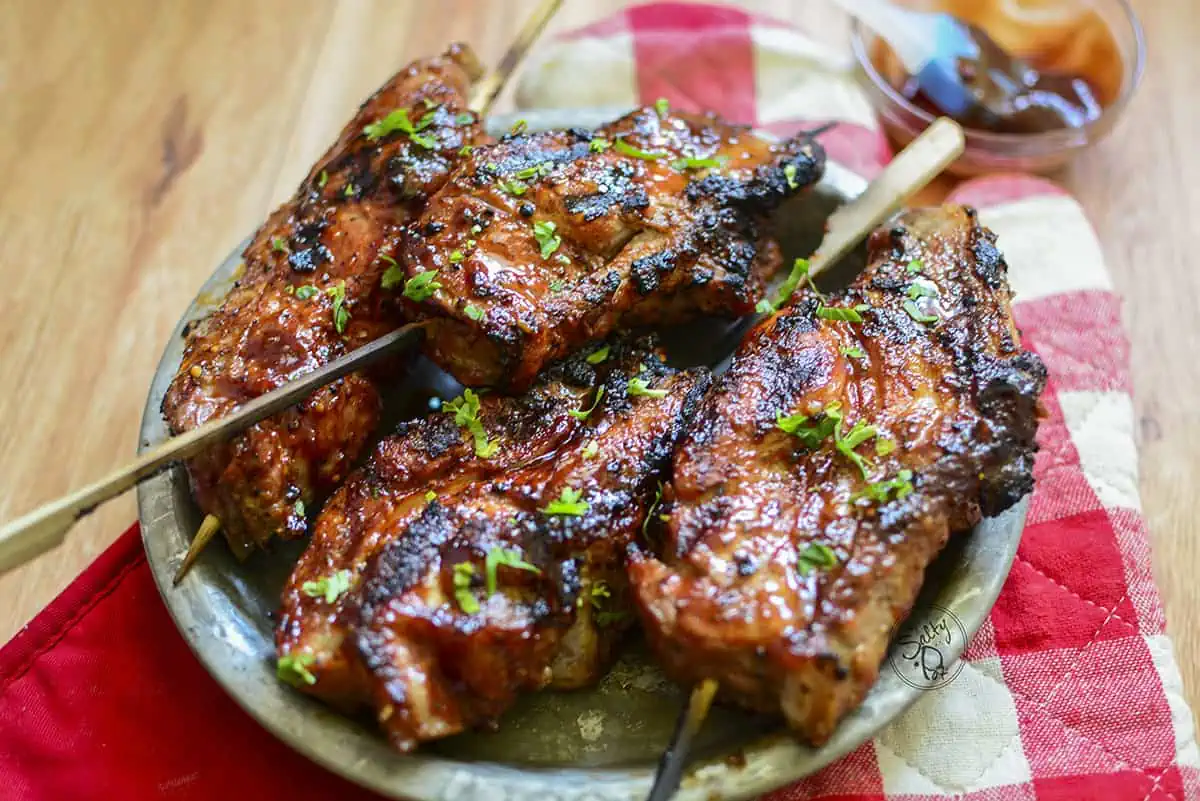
x,y
595,745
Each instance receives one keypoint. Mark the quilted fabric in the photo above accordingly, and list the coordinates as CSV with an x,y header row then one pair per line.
x,y
1070,690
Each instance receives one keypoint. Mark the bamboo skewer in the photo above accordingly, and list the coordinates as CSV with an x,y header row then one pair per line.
x,y
913,168
46,527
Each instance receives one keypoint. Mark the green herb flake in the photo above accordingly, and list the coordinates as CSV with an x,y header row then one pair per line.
x,y
465,409
662,107
817,556
429,104
456,256
698,163
810,431
854,353
590,450
464,118
293,669
474,312
627,149
599,144
279,244
341,315
349,190
896,488
638,387
860,433
466,150
298,508
840,314
915,313
650,512
422,286
430,496
583,413
557,286
520,126
796,278
398,121
915,266
502,557
921,291
331,587
307,292
464,574
789,173
322,179
393,276
514,187
598,355
884,446
568,503
549,241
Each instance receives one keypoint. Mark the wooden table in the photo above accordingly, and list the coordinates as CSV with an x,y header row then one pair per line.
x,y
143,140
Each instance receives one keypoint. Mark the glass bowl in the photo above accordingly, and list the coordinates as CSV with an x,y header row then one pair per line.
x,y
1023,27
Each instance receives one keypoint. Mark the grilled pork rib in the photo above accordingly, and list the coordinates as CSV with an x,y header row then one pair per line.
x,y
545,241
310,292
479,552
829,465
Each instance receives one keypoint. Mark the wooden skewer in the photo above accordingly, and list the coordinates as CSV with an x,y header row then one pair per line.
x,y
914,167
47,527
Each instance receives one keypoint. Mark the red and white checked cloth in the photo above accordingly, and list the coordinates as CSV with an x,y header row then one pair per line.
x,y
1070,691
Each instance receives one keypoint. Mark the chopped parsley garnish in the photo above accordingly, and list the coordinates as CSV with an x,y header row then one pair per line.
x,y
597,593
839,313
599,144
921,291
583,413
590,449
637,386
465,409
422,286
519,127
697,163
430,496
915,266
465,150
789,172
293,669
307,292
298,508
331,587
279,244
854,353
393,276
514,187
860,433
398,121
536,171
629,150
322,179
549,241
598,355
796,277
497,557
882,491
915,313
474,312
464,118
810,431
662,107
816,556
464,573
341,315
456,256
884,446
557,286
349,190
568,503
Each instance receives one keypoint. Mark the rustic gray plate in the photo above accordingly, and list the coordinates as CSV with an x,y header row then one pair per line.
x,y
597,745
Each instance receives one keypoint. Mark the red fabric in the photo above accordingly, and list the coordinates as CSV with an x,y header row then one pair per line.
x,y
100,697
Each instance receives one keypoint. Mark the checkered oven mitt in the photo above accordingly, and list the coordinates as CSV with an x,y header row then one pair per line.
x,y
1070,690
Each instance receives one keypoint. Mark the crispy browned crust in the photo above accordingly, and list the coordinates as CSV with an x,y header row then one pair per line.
x,y
641,241
724,597
398,640
346,216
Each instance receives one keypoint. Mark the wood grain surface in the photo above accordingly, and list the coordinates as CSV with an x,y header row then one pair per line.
x,y
143,140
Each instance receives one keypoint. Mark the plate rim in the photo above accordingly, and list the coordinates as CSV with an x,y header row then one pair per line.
x,y
362,757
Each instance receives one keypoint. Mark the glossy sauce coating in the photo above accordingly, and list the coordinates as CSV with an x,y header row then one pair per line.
x,y
546,241
311,292
780,573
400,638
